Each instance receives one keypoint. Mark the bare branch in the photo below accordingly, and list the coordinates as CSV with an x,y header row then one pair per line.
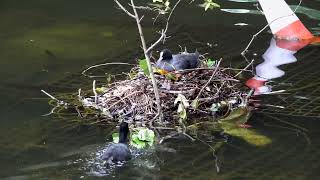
x,y
244,69
124,9
144,47
141,18
163,31
157,42
142,7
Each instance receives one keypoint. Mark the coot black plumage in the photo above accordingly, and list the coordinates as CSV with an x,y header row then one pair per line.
x,y
170,62
119,151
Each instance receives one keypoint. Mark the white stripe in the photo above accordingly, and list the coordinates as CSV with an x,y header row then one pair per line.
x,y
278,14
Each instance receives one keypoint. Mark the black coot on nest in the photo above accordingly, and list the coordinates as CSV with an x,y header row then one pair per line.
x,y
173,62
119,151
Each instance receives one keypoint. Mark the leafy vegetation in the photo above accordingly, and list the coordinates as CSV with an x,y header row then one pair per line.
x,y
144,67
139,137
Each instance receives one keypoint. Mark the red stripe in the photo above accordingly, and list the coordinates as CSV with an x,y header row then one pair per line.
x,y
292,45
294,36
295,30
254,83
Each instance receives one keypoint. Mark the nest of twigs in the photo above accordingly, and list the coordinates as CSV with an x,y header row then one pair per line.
x,y
202,92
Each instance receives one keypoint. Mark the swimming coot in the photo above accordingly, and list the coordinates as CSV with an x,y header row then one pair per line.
x,y
119,151
170,62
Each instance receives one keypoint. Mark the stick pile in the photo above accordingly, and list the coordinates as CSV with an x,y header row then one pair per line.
x,y
208,91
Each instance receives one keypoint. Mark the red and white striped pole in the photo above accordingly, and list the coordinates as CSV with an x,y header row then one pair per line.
x,y
290,36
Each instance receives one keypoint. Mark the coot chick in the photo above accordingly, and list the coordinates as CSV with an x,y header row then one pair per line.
x,y
170,62
119,151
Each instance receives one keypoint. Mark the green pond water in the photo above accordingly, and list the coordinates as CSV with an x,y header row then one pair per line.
x,y
45,44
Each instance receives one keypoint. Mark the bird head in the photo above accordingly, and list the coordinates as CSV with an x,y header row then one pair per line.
x,y
165,55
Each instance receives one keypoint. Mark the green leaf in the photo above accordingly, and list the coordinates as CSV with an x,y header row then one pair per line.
x,y
141,137
115,137
136,142
181,98
215,107
208,4
109,79
171,76
182,111
101,89
195,103
210,63
146,135
180,108
214,5
167,3
144,66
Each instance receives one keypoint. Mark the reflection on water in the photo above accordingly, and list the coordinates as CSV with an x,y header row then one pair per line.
x,y
280,52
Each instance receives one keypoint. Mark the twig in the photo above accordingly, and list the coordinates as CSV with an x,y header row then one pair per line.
x,y
163,31
214,72
122,99
79,94
52,97
59,103
276,92
51,112
246,100
219,89
95,92
142,7
163,128
188,136
168,137
274,106
124,9
253,37
104,64
141,18
157,42
211,69
190,91
244,68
